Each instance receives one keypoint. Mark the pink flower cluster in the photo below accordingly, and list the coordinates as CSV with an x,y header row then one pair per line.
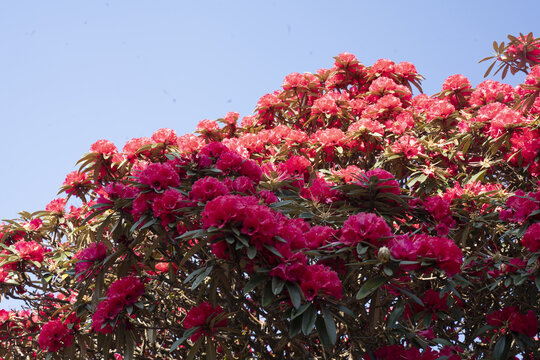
x,y
510,318
201,316
54,336
88,257
445,252
122,293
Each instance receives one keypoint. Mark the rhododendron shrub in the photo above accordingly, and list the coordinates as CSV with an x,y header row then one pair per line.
x,y
345,219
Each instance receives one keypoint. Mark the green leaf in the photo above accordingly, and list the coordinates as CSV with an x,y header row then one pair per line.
x,y
300,311
193,274
330,325
184,337
395,315
268,295
537,281
415,298
442,341
273,250
251,252
295,327
253,282
308,319
321,330
500,351
277,285
370,286
202,276
294,294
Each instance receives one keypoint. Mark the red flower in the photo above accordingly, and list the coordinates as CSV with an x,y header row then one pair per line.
x,y
128,289
201,316
56,206
365,227
387,182
510,317
87,257
106,313
104,147
207,188
322,281
29,250
54,336
159,176
165,136
531,238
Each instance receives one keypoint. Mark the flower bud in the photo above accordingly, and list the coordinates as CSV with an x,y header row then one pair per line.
x,y
383,255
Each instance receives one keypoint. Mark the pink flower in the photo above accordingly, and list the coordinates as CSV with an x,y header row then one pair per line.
x,y
201,316
407,145
89,256
165,136
365,227
76,182
207,126
510,317
127,289
326,104
387,182
132,146
531,238
319,280
54,336
56,206
104,147
29,250
229,161
106,312
159,176
456,82
207,188
295,80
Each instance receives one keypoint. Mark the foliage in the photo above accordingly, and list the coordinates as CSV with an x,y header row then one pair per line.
x,y
345,219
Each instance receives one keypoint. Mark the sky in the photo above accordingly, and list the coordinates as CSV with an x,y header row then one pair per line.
x,y
73,72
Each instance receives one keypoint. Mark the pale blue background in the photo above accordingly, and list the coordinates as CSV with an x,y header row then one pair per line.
x,y
73,72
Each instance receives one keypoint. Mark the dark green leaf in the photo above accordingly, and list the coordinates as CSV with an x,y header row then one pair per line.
x,y
294,294
395,315
277,285
251,252
370,286
268,295
186,335
253,282
295,327
308,319
321,330
300,311
273,250
330,325
500,351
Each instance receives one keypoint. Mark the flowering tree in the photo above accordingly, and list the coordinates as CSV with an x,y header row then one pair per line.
x,y
345,219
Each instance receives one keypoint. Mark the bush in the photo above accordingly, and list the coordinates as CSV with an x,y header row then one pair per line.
x,y
345,219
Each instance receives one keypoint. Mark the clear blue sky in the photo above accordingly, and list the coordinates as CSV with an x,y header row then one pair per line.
x,y
73,72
